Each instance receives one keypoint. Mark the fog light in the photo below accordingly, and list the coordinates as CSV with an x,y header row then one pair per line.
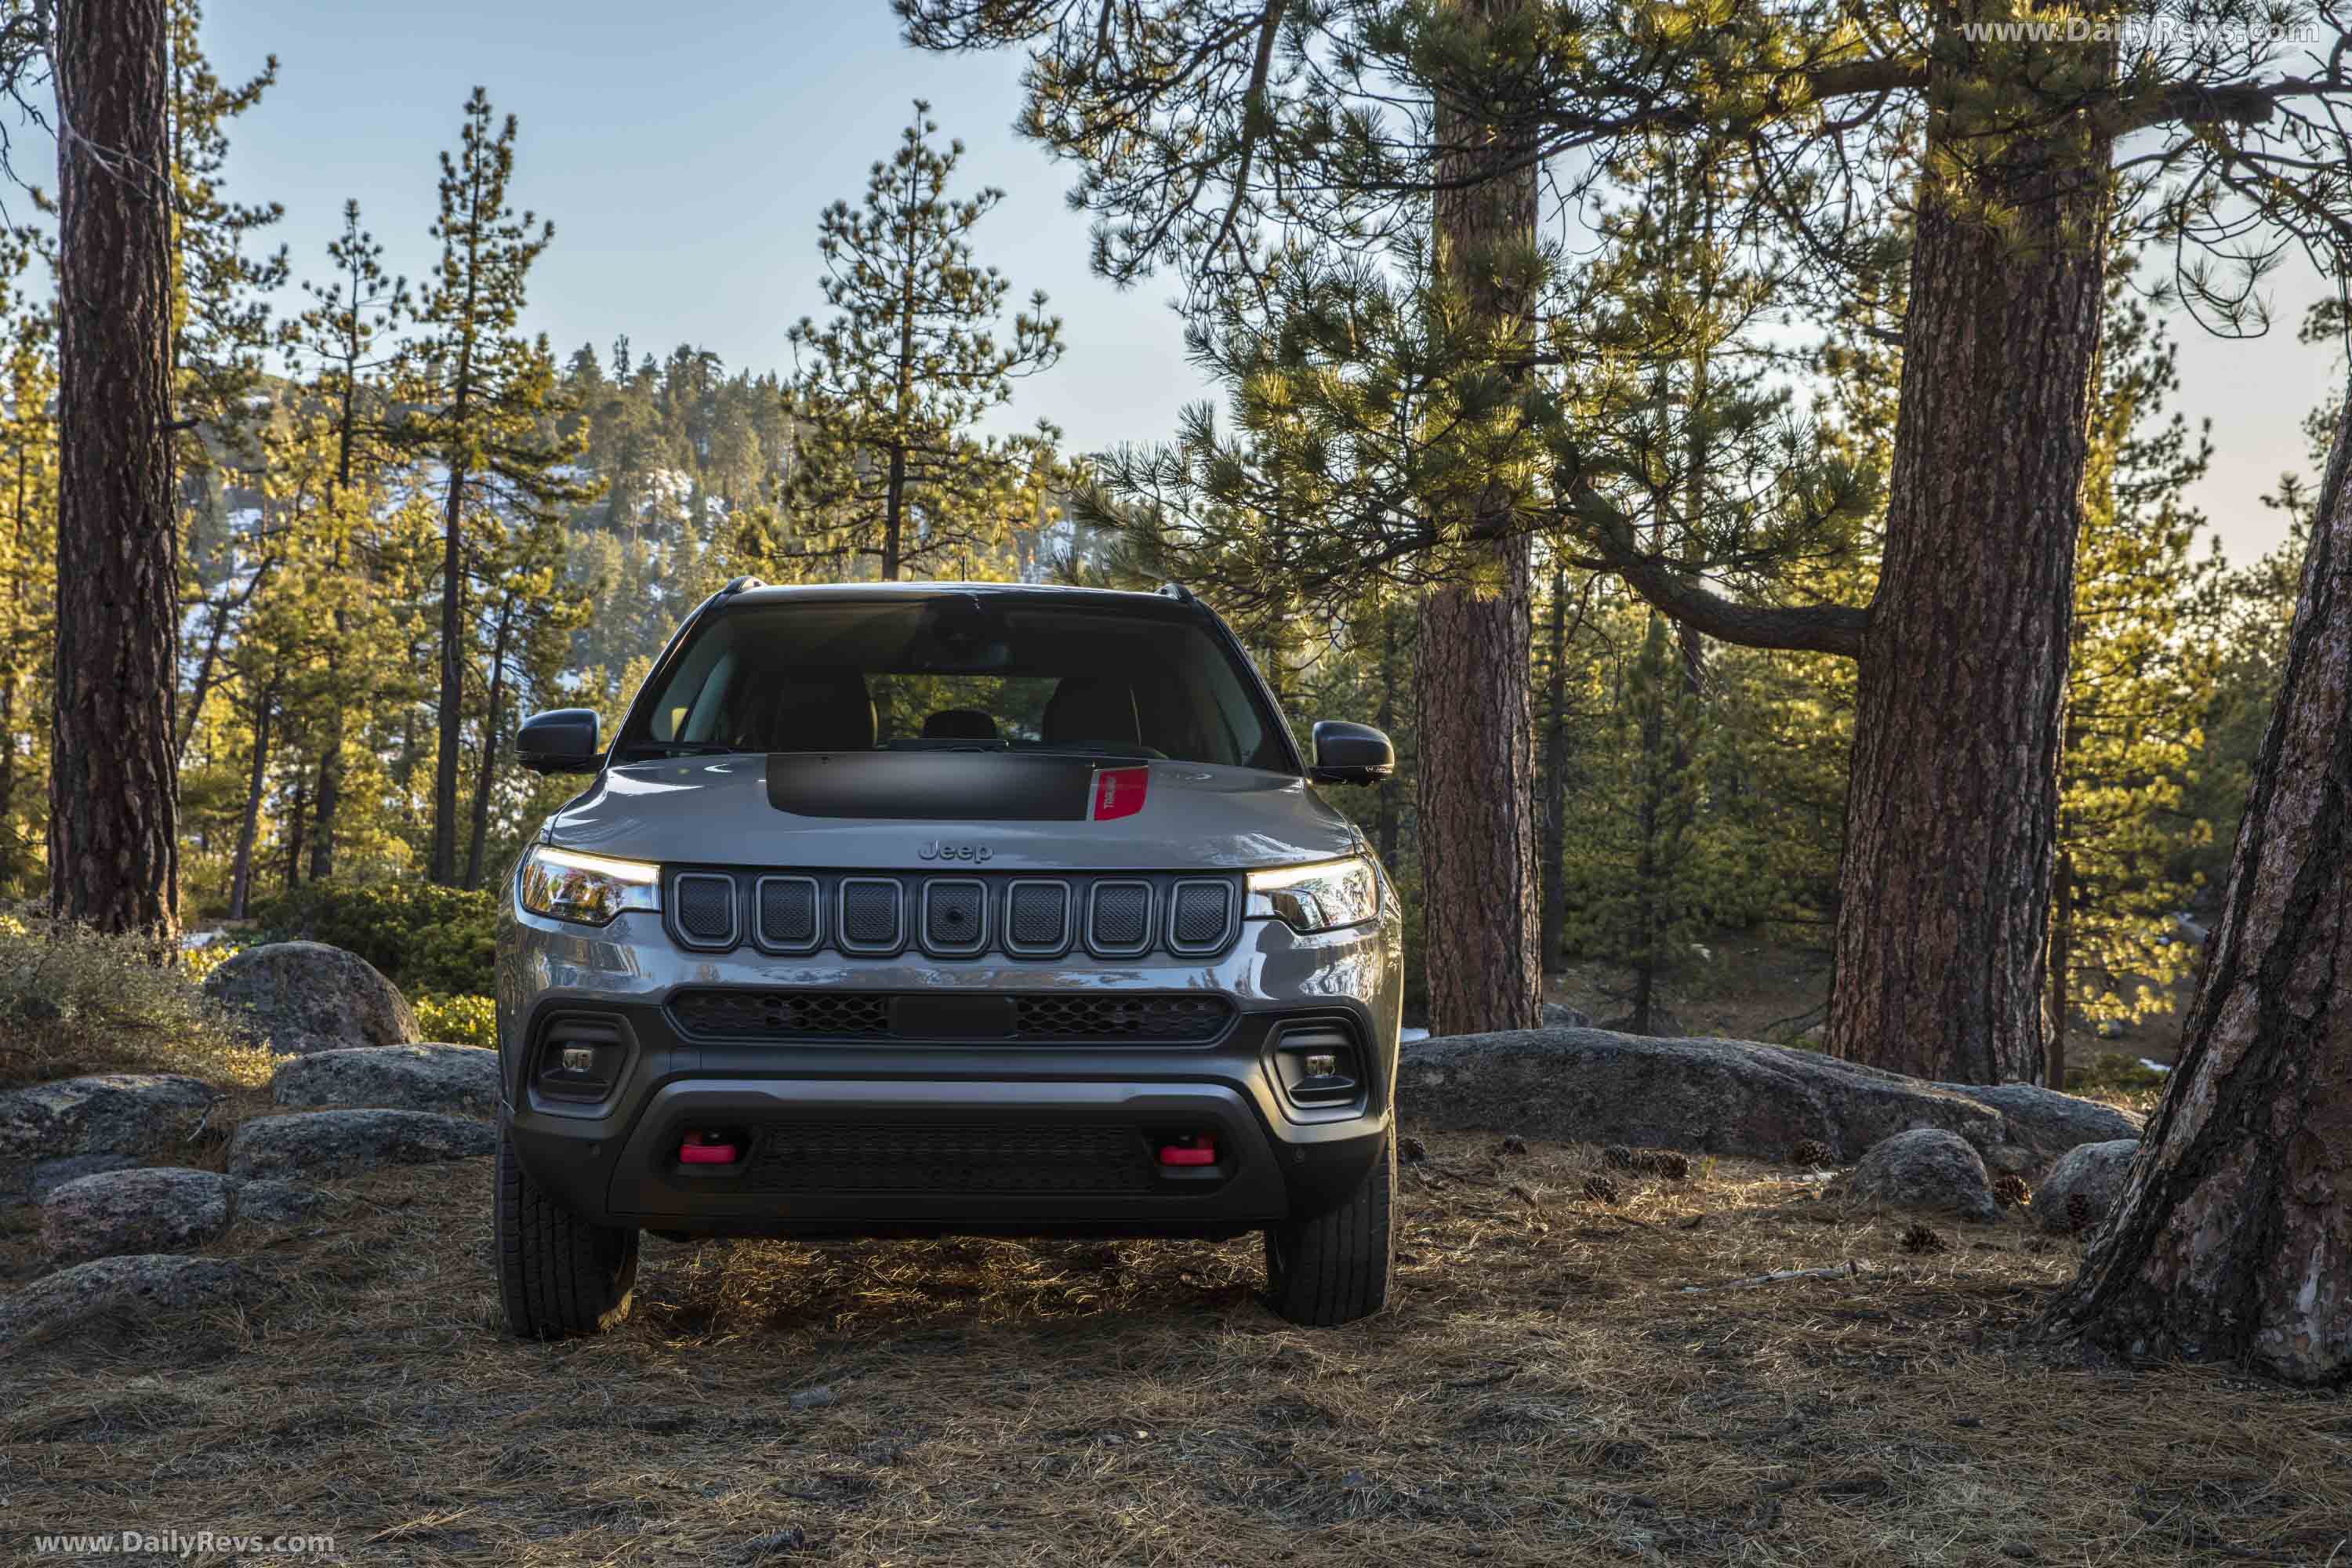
x,y
1321,1064
581,1059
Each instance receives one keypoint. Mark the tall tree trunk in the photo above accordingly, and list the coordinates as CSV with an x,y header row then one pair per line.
x,y
442,865
329,797
8,861
1385,825
1477,825
297,817
892,513
249,827
2233,1241
488,775
1944,888
1552,871
114,777
2062,958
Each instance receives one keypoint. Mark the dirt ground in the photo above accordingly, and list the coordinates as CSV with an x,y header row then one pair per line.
x,y
1545,1391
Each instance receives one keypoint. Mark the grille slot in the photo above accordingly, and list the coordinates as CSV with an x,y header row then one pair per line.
x,y
1202,916
1037,919
860,1157
779,1015
788,915
1045,1018
706,909
955,916
870,915
1118,919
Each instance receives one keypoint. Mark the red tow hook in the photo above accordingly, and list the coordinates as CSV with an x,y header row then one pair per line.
x,y
706,1149
1194,1149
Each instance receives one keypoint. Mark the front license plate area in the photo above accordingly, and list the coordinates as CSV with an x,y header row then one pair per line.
x,y
952,1018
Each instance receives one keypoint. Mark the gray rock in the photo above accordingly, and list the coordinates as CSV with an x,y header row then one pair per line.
x,y
1724,1096
304,996
323,1144
282,1203
1925,1169
1561,1015
459,1080
2096,1173
48,1176
147,1282
109,1116
153,1210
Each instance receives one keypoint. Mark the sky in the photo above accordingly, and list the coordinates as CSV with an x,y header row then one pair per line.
x,y
683,151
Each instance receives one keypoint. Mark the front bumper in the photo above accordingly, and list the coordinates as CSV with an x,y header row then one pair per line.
x,y
897,1136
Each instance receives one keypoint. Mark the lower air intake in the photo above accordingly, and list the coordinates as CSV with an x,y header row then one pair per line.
x,y
882,1158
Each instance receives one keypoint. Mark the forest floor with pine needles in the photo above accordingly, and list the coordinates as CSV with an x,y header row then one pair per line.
x,y
1547,1389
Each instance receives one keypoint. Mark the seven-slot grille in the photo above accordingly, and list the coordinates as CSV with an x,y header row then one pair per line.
x,y
1038,1017
970,914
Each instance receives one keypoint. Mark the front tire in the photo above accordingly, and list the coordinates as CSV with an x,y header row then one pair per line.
x,y
557,1274
1334,1268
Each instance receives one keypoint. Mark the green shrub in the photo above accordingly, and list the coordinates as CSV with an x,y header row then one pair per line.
x,y
74,1002
427,940
459,1020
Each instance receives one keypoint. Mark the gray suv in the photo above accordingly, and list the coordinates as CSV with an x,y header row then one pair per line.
x,y
931,908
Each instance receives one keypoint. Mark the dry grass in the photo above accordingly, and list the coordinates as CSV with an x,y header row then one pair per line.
x,y
73,1002
1544,1391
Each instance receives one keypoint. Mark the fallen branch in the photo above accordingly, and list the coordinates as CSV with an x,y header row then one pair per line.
x,y
1852,1269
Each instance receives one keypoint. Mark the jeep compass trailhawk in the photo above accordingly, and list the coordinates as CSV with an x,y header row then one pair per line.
x,y
923,908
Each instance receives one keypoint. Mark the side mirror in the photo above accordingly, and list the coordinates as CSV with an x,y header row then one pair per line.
x,y
560,740
1351,754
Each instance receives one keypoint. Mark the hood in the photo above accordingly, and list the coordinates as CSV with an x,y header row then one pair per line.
x,y
883,816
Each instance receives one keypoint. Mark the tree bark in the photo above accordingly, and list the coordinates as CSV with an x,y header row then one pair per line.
x,y
486,776
1952,807
2233,1241
1386,828
114,778
329,797
441,865
1477,734
2061,959
248,830
1552,871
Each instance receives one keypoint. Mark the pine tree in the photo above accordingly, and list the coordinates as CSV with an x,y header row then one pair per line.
x,y
889,468
477,400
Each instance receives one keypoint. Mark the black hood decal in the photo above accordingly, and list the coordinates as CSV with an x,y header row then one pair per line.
x,y
931,786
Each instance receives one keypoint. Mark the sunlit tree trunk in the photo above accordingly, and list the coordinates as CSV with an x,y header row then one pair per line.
x,y
114,778
2233,1241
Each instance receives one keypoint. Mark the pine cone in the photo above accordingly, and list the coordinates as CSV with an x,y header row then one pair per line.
x,y
1412,1150
1600,1189
1920,1238
2078,1213
1617,1157
1511,1146
1810,1153
2011,1193
1664,1163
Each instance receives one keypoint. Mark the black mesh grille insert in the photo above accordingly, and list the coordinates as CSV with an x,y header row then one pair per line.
x,y
788,912
1122,917
869,913
955,916
1200,914
773,1014
1011,1158
1041,1018
706,908
1037,915
1055,1016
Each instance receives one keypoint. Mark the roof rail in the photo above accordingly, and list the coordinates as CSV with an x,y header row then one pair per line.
x,y
1176,591
737,584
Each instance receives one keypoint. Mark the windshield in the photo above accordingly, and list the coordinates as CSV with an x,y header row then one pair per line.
x,y
959,671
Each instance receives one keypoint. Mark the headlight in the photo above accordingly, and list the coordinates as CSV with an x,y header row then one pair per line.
x,y
1321,896
589,888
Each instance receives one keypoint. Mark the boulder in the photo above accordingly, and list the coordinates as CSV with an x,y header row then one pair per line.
x,y
142,1282
304,996
459,1079
1561,1015
1928,1168
1725,1097
153,1210
2096,1173
51,1132
322,1144
282,1203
